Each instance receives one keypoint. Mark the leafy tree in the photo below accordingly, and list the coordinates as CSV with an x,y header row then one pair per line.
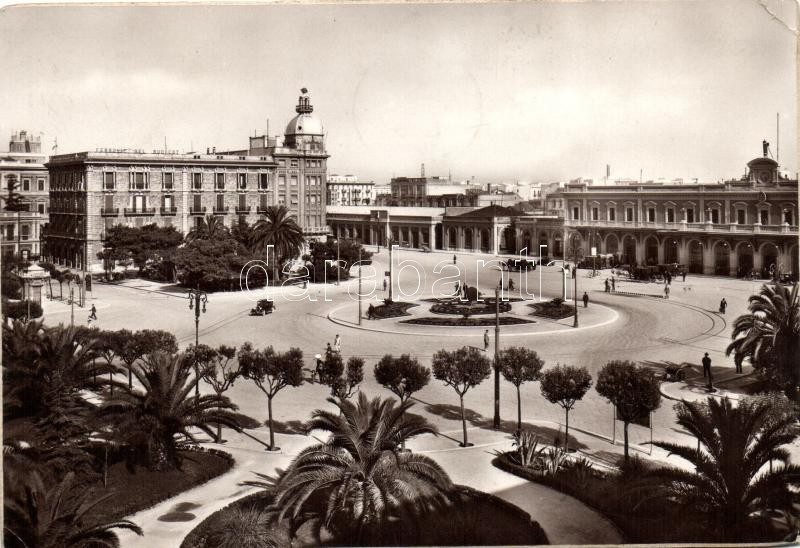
x,y
359,484
141,244
215,264
346,385
210,227
565,385
218,369
242,232
278,228
631,389
12,288
22,310
519,365
129,350
743,468
402,376
322,253
53,516
271,372
769,336
156,340
161,416
108,344
461,370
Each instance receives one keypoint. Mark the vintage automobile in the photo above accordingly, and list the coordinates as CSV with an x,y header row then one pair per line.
x,y
263,307
514,265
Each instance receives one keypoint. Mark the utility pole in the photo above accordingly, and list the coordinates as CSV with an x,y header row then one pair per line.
x,y
575,295
391,269
71,305
496,422
359,287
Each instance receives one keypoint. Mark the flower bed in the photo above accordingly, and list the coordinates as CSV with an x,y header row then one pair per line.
x,y
474,519
467,322
459,308
391,310
555,309
139,489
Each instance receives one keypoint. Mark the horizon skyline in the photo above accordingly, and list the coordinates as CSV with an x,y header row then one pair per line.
x,y
539,106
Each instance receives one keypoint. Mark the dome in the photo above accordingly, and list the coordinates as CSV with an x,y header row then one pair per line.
x,y
304,124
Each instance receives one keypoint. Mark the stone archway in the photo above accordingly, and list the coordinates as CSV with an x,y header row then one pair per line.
x,y
670,251
469,241
695,257
452,238
769,259
485,244
612,245
722,259
744,259
793,257
558,246
629,250
527,243
545,251
651,250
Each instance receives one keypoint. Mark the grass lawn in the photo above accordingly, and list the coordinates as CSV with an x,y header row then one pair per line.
x,y
391,310
553,310
467,322
474,519
140,488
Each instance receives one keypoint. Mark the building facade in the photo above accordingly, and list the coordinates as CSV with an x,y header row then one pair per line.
x,y
347,190
24,163
735,228
93,191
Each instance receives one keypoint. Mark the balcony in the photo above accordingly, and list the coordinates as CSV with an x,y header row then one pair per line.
x,y
112,212
221,210
168,211
141,212
197,211
243,210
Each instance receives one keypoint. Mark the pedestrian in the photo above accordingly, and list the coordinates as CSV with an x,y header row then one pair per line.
x,y
669,278
738,363
486,341
510,284
93,314
613,284
337,344
608,288
454,259
666,292
683,273
706,366
305,283
585,300
317,367
370,312
723,304
384,284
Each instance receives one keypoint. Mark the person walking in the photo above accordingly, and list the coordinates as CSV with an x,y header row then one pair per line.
x,y
683,273
666,292
723,304
585,300
337,344
370,312
613,284
608,287
384,284
454,259
317,366
510,284
93,314
486,341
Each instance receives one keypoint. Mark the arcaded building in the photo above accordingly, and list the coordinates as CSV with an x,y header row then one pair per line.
x,y
92,191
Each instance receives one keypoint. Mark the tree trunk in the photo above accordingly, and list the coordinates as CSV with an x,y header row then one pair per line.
x,y
463,419
111,382
130,375
271,433
219,426
566,431
625,428
519,412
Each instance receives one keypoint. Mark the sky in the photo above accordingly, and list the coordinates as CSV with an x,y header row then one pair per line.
x,y
532,91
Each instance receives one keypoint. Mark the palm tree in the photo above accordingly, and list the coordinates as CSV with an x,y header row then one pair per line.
x,y
14,203
741,470
279,229
249,527
46,368
208,228
160,417
359,483
43,516
769,336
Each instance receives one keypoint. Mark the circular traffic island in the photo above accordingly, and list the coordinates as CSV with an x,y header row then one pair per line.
x,y
486,321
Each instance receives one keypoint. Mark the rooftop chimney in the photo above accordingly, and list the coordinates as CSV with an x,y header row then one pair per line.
x,y
765,146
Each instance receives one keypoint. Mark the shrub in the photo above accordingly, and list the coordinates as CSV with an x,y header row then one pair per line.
x,y
19,310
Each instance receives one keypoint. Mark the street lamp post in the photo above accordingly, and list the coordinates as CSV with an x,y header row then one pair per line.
x,y
496,421
197,298
359,286
575,278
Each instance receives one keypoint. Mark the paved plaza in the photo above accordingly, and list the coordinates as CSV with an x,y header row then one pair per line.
x,y
636,324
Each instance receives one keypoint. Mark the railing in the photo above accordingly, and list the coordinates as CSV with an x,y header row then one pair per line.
x,y
112,212
261,210
684,226
221,210
168,211
197,211
242,210
133,212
